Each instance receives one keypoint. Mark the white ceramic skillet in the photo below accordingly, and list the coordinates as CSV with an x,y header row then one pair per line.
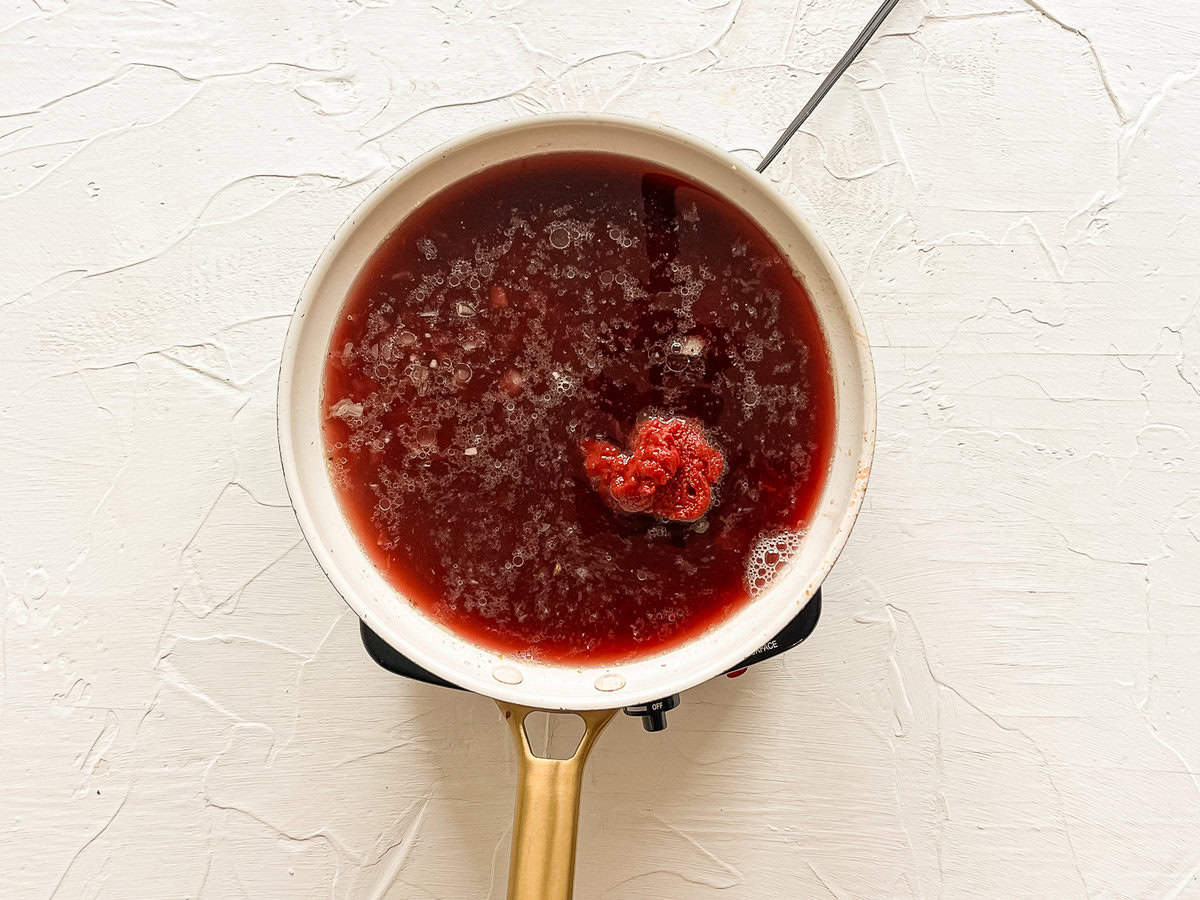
x,y
542,860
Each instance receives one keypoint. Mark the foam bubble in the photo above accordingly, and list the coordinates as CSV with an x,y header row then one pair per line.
x,y
769,557
560,238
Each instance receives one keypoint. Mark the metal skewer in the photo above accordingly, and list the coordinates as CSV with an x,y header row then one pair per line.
x,y
823,88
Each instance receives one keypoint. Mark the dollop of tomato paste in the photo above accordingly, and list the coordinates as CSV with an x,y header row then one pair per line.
x,y
670,471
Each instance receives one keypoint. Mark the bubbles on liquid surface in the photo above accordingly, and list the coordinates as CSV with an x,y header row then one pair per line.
x,y
488,361
768,558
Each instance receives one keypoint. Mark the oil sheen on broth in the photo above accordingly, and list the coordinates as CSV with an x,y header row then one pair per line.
x,y
529,309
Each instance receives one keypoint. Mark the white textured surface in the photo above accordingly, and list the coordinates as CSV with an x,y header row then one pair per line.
x,y
1003,697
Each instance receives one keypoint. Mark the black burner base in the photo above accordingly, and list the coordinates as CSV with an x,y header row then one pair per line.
x,y
653,715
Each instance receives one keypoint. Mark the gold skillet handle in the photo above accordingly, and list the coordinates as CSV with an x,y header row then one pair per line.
x,y
541,865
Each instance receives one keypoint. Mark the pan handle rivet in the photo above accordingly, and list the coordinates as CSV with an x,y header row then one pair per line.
x,y
507,675
610,681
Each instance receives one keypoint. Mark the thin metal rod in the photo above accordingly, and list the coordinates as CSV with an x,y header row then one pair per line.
x,y
823,88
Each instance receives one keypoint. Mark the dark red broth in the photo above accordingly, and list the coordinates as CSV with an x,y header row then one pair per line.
x,y
535,306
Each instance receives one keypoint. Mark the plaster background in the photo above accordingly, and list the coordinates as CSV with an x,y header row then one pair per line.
x,y
1003,697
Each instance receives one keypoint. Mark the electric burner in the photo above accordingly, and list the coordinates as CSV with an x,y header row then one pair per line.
x,y
653,714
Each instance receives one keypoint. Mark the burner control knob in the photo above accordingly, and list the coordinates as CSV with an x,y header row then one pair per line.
x,y
654,714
